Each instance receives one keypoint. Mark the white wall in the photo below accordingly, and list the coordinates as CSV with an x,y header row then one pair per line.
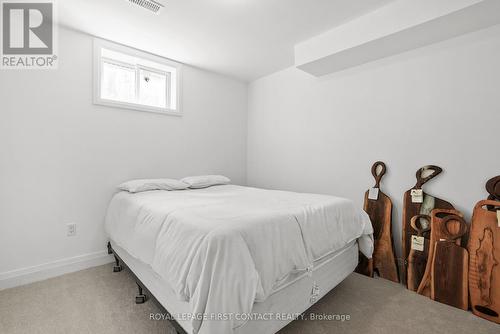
x,y
435,105
61,156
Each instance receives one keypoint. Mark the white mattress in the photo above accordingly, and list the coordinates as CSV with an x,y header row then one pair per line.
x,y
294,298
224,248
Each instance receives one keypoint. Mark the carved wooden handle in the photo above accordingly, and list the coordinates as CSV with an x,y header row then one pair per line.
x,y
436,170
378,176
493,187
462,227
443,213
488,203
420,230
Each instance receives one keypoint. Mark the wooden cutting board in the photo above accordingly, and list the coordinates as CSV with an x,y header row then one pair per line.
x,y
412,208
419,252
453,219
450,272
379,207
484,263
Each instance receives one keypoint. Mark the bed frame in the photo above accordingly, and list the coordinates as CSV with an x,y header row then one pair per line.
x,y
344,264
144,293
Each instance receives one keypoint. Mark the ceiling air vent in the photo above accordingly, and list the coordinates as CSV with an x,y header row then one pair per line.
x,y
148,4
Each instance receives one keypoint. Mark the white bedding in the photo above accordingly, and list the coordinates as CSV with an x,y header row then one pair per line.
x,y
225,247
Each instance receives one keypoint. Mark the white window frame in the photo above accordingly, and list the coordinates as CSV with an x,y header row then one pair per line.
x,y
99,44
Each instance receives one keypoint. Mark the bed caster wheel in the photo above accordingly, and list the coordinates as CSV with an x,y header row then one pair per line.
x,y
141,299
118,267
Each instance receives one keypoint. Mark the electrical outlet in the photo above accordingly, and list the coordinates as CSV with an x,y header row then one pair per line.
x,y
71,229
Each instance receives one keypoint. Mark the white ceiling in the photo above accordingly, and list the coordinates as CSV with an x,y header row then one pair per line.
x,y
245,39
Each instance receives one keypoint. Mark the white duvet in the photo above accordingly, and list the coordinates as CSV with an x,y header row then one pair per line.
x,y
225,247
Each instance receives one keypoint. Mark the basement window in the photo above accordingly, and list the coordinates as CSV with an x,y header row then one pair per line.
x,y
132,79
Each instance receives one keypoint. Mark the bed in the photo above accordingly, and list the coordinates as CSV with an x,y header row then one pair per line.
x,y
231,259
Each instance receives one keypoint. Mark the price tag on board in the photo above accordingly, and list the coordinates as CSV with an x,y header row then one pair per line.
x,y
417,196
373,194
417,243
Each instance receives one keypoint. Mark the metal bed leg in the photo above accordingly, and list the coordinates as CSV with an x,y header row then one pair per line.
x,y
140,298
118,267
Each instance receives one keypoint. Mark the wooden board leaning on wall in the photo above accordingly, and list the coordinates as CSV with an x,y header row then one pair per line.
x,y
439,217
450,265
379,207
417,202
484,253
417,259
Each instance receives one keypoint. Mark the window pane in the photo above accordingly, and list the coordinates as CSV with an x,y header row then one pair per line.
x,y
152,89
117,83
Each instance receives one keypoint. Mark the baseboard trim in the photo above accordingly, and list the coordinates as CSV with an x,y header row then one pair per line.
x,y
44,271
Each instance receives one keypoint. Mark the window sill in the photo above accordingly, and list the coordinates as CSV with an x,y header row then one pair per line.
x,y
132,106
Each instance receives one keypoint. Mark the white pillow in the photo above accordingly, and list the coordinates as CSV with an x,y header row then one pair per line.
x,y
136,186
204,181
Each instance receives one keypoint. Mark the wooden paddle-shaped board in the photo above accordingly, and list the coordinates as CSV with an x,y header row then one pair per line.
x,y
379,207
419,252
453,219
449,276
484,264
417,202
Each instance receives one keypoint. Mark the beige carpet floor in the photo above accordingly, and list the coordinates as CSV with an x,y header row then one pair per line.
x,y
99,301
